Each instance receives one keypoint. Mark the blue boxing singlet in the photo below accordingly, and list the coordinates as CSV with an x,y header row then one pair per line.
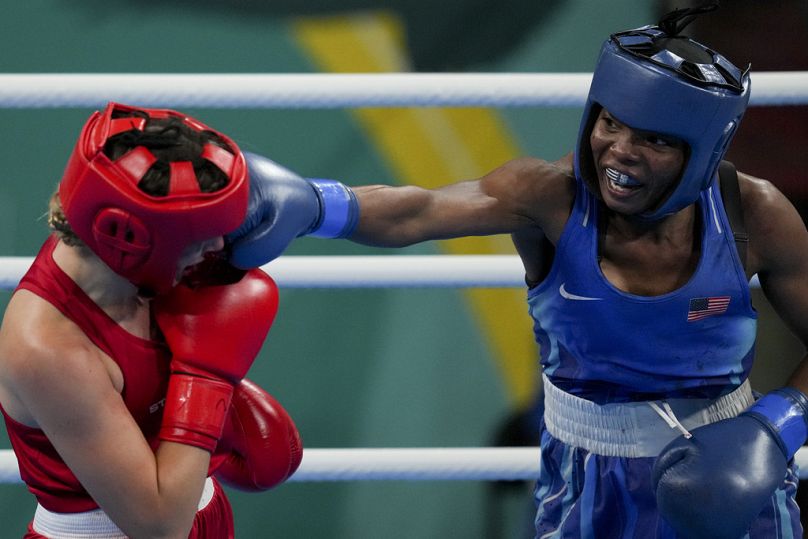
x,y
607,345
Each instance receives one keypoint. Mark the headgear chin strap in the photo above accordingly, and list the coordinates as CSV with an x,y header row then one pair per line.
x,y
643,80
140,236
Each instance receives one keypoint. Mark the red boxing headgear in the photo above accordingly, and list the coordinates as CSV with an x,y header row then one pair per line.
x,y
138,235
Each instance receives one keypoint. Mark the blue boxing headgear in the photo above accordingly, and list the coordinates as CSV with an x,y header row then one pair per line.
x,y
654,80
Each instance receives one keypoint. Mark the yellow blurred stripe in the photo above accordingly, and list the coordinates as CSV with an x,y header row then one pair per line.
x,y
431,147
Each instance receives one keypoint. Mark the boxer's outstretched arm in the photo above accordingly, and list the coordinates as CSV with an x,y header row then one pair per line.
x,y
283,206
521,193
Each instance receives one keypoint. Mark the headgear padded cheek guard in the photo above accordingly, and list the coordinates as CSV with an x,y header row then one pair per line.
x,y
140,236
643,79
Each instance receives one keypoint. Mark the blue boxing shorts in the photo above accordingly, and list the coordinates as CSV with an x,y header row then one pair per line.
x,y
596,462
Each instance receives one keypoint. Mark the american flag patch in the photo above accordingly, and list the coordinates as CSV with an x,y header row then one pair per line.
x,y
704,307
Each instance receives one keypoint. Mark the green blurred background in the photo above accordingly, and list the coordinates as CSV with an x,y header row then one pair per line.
x,y
355,368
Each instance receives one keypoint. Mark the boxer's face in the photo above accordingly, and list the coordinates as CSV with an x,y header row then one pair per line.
x,y
195,253
636,169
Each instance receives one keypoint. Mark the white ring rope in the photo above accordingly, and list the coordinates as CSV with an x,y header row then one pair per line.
x,y
326,90
380,271
413,464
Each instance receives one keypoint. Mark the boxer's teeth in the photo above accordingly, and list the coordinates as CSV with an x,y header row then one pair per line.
x,y
620,179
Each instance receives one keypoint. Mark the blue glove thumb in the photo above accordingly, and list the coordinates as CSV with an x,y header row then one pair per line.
x,y
283,206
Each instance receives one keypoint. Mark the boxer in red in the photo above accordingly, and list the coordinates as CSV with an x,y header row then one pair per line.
x,y
121,370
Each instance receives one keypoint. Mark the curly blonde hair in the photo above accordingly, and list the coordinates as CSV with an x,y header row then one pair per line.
x,y
57,222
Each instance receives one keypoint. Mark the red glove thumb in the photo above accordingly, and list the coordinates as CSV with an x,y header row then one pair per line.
x,y
262,444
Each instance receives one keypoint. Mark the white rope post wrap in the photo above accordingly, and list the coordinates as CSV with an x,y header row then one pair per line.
x,y
325,91
416,464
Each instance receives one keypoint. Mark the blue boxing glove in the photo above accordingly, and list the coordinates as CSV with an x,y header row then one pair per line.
x,y
283,206
716,483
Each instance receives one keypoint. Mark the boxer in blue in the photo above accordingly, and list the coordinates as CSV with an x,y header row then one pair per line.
x,y
638,288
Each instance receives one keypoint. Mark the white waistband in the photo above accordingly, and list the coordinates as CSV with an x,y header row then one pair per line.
x,y
632,429
93,524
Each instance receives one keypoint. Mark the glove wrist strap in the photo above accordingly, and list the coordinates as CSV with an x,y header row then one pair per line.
x,y
195,410
784,412
339,209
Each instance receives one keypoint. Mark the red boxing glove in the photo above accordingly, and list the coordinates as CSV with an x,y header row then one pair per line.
x,y
214,333
260,444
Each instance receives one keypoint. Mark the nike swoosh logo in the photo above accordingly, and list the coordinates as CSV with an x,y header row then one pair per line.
x,y
574,297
